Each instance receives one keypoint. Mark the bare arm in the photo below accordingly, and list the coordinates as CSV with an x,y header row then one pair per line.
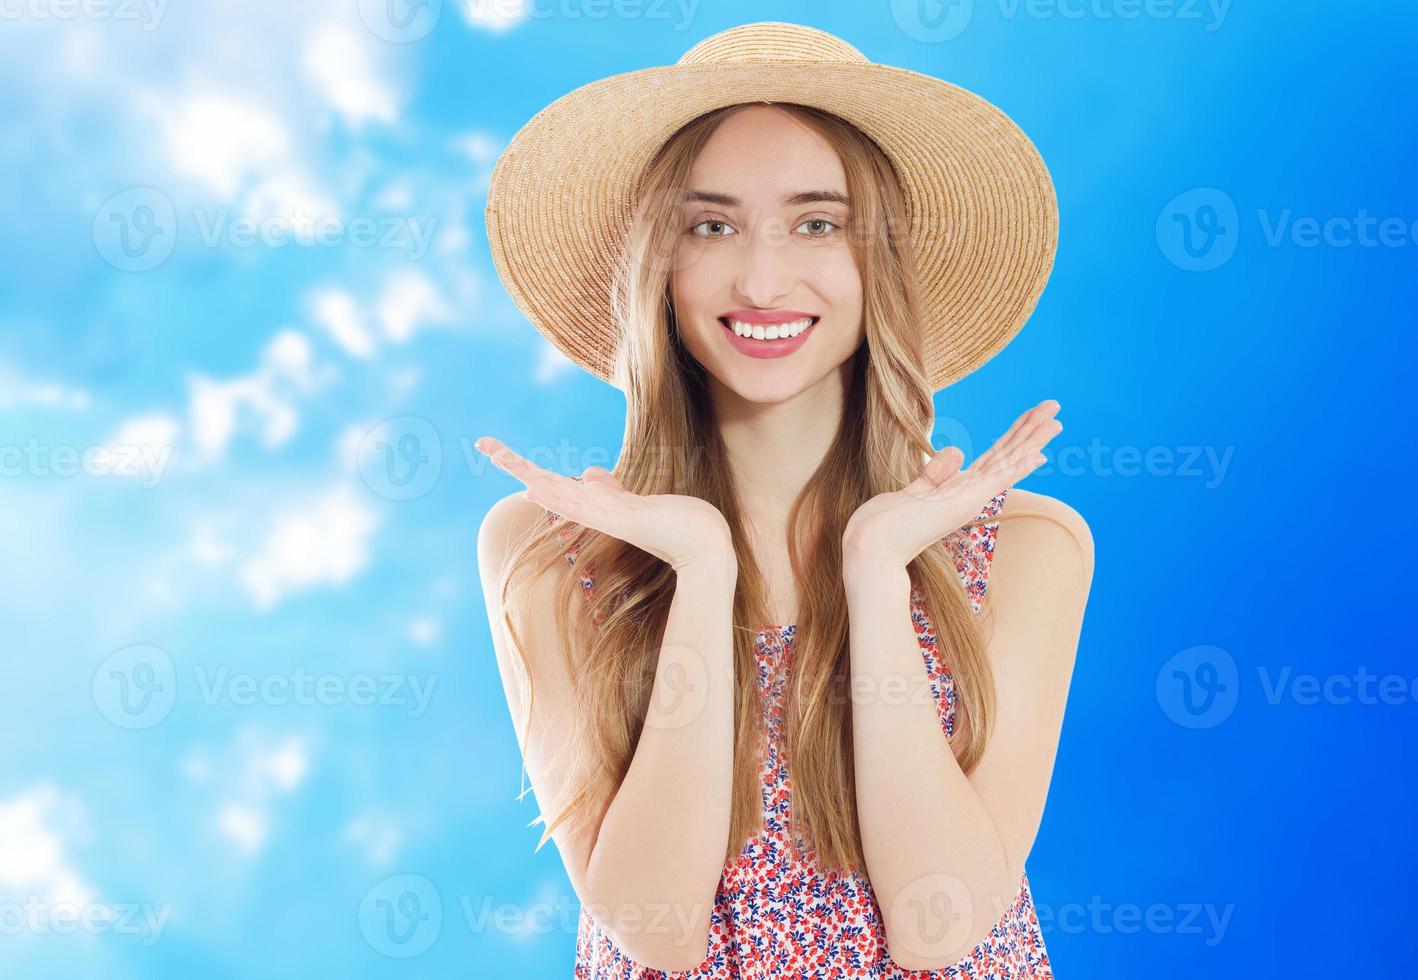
x,y
934,839
649,873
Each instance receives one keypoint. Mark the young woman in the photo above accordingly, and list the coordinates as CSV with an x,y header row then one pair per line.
x,y
775,725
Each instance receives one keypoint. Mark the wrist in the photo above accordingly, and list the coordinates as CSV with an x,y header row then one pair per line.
x,y
711,569
864,572
862,555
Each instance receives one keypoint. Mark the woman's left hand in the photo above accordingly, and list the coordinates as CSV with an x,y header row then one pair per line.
x,y
893,528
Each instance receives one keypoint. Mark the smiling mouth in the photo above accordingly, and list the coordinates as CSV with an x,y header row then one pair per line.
x,y
768,332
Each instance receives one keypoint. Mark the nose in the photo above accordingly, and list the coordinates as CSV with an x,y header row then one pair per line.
x,y
765,273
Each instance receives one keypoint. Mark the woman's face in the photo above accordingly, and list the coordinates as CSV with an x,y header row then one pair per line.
x,y
764,244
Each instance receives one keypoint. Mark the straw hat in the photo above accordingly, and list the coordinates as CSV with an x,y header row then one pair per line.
x,y
983,217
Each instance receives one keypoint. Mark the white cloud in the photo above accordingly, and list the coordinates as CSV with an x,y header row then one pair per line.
x,y
340,64
157,431
323,541
33,858
551,363
246,780
337,313
263,401
425,630
224,141
244,826
18,391
495,15
377,835
409,299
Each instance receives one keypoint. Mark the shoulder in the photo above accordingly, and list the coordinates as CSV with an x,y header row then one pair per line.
x,y
506,523
1043,548
1055,528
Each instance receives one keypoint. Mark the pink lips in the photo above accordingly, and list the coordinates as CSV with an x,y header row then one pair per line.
x,y
768,348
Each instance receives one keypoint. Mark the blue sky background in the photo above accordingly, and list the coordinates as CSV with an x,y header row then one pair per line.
x,y
247,687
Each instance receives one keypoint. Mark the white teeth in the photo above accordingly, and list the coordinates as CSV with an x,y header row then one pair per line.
x,y
775,332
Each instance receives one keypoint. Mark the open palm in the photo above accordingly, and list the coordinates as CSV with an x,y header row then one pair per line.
x,y
896,526
676,528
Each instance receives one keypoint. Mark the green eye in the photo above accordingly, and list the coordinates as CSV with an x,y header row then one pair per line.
x,y
710,221
819,221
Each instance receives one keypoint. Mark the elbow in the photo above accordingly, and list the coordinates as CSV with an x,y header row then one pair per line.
x,y
934,929
669,946
912,946
669,936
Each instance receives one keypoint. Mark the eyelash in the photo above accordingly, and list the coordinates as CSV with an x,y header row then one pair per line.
x,y
719,221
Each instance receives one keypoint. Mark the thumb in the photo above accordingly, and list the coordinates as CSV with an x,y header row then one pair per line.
x,y
597,474
945,463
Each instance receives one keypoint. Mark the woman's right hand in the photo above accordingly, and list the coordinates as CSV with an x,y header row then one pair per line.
x,y
677,529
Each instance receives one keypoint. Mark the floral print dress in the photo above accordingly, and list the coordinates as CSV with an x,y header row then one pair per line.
x,y
775,916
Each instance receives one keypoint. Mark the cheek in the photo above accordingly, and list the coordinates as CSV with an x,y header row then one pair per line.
x,y
839,283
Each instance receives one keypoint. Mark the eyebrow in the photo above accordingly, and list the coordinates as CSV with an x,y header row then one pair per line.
x,y
792,200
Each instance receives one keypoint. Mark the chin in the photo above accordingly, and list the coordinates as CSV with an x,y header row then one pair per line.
x,y
767,388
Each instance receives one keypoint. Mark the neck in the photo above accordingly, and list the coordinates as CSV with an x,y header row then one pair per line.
x,y
774,448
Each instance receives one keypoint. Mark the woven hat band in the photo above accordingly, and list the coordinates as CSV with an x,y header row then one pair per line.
x,y
771,42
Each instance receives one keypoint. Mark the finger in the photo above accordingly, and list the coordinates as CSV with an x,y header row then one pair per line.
x,y
939,467
1007,450
1027,454
598,474
944,464
541,482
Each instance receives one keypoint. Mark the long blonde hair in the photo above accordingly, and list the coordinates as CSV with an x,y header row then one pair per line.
x,y
672,445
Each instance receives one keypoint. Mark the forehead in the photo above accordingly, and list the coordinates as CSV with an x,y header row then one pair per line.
x,y
760,154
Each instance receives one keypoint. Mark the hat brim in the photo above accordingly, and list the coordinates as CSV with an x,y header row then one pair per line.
x,y
983,215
